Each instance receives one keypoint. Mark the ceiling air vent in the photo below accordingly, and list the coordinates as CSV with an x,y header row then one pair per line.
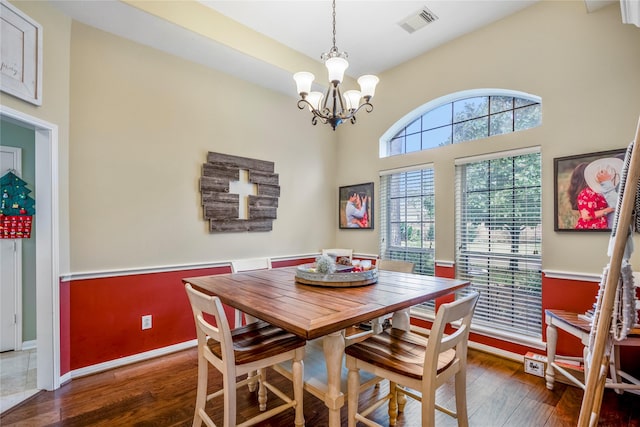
x,y
418,20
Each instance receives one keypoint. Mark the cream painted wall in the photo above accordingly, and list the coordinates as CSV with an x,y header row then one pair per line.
x,y
55,100
142,124
583,66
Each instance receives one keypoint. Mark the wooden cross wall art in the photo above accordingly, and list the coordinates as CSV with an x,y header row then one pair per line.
x,y
222,188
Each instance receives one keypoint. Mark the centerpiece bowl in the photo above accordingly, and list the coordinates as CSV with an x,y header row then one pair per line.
x,y
343,277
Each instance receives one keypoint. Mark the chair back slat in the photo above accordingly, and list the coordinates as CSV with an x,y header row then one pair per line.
x,y
459,310
250,264
395,265
202,304
338,253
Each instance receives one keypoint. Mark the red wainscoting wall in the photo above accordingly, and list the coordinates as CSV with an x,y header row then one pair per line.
x,y
571,295
100,318
105,315
567,294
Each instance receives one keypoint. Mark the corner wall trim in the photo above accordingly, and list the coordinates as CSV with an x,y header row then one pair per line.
x,y
94,369
443,263
164,268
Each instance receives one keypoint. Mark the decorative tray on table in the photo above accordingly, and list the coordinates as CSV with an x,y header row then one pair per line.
x,y
343,277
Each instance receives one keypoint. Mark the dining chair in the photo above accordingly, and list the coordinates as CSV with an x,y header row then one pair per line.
x,y
415,366
377,325
248,264
395,265
236,353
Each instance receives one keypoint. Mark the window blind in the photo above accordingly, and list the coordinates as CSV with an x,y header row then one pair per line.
x,y
498,239
407,213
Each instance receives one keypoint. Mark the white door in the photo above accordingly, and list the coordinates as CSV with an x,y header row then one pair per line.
x,y
10,270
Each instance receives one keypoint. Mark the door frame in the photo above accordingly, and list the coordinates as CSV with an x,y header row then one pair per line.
x,y
47,246
17,261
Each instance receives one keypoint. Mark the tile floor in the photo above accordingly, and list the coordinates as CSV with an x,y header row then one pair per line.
x,y
17,377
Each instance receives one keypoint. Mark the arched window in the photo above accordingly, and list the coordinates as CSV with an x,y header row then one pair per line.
x,y
462,116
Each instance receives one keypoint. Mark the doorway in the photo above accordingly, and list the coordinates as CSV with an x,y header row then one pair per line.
x,y
47,246
11,271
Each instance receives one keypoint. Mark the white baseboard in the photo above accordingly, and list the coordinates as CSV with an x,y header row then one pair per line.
x,y
29,345
496,351
482,347
93,369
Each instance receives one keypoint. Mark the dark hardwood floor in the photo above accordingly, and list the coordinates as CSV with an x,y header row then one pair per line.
x,y
161,392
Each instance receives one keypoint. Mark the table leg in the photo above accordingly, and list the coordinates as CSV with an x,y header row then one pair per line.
x,y
552,340
400,320
251,385
376,325
333,346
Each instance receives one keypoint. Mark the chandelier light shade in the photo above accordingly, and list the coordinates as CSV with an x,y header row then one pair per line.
x,y
334,107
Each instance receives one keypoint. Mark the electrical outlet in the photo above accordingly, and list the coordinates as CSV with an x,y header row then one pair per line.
x,y
146,322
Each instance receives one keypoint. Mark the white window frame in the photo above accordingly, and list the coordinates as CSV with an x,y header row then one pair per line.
x,y
532,338
446,99
384,214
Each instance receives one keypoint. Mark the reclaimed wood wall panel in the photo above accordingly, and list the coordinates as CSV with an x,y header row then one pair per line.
x,y
262,213
214,185
240,225
263,201
222,208
263,178
241,162
220,171
221,212
268,190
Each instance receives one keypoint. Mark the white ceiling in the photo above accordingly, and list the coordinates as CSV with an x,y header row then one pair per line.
x,y
367,30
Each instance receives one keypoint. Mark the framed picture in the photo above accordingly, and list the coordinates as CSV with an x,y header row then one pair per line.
x,y
586,190
355,207
21,45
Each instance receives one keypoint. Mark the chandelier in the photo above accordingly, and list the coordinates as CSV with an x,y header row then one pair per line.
x,y
334,107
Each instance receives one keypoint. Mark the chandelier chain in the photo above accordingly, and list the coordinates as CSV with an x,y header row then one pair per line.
x,y
335,48
333,107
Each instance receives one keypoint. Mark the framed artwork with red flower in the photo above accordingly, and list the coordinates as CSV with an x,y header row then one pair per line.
x,y
586,190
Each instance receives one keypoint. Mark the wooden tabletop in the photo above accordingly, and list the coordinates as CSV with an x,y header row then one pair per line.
x,y
570,318
313,311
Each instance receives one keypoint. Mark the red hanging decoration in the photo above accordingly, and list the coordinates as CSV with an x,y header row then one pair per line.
x,y
15,226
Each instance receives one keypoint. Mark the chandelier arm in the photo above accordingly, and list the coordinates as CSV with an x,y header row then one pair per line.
x,y
302,103
334,109
321,115
326,97
342,109
366,105
324,118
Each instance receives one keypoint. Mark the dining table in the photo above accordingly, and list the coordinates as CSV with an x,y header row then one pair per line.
x,y
313,311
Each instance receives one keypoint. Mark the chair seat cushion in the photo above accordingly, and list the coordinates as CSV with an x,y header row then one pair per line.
x,y
398,351
257,341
